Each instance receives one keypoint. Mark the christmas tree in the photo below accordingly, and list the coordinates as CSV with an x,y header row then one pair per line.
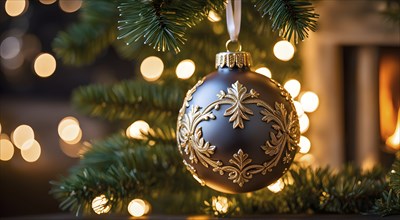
x,y
139,170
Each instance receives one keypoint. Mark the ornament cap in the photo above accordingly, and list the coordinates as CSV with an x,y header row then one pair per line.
x,y
229,59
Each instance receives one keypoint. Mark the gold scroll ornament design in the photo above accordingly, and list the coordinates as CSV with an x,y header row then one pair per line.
x,y
282,141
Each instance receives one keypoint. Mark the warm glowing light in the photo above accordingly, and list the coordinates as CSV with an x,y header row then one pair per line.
x,y
0,128
4,136
15,7
299,108
65,122
309,101
151,68
264,71
213,16
307,159
368,163
70,6
71,134
293,87
276,186
99,205
138,129
71,150
22,134
284,50
137,207
304,123
47,2
10,47
394,140
31,151
304,145
185,69
6,150
45,65
220,204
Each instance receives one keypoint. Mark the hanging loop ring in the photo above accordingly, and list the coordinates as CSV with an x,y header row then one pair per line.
x,y
237,43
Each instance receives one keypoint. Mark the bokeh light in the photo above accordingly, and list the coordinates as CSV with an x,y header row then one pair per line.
x,y
47,2
307,159
15,7
304,123
309,101
220,204
284,50
72,150
10,47
45,65
264,71
293,87
138,129
99,205
213,16
304,145
151,68
69,130
299,108
6,150
70,6
137,207
185,69
276,186
22,134
31,151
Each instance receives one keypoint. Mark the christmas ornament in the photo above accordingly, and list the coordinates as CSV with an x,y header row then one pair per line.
x,y
237,130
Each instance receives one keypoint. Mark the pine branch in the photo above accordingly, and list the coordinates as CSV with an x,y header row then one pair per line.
x,y
161,24
132,100
82,42
292,18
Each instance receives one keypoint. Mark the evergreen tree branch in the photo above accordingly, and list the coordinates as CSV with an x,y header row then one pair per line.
x,y
132,100
291,18
82,42
161,24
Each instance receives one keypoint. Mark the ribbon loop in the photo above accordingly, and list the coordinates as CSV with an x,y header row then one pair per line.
x,y
233,19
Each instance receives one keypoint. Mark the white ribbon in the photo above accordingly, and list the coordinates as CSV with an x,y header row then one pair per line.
x,y
233,19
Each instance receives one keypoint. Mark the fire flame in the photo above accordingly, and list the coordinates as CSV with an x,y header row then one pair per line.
x,y
394,140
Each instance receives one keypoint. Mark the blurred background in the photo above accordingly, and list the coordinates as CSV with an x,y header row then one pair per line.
x,y
352,64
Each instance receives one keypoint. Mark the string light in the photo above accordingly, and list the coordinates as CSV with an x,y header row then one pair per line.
x,y
14,8
304,123
99,205
264,71
70,6
138,129
276,186
220,204
309,101
31,151
185,69
10,47
213,16
6,150
284,50
152,68
293,87
45,65
138,208
304,145
22,134
299,108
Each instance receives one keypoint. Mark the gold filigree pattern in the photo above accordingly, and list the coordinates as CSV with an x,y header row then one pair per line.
x,y
282,141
